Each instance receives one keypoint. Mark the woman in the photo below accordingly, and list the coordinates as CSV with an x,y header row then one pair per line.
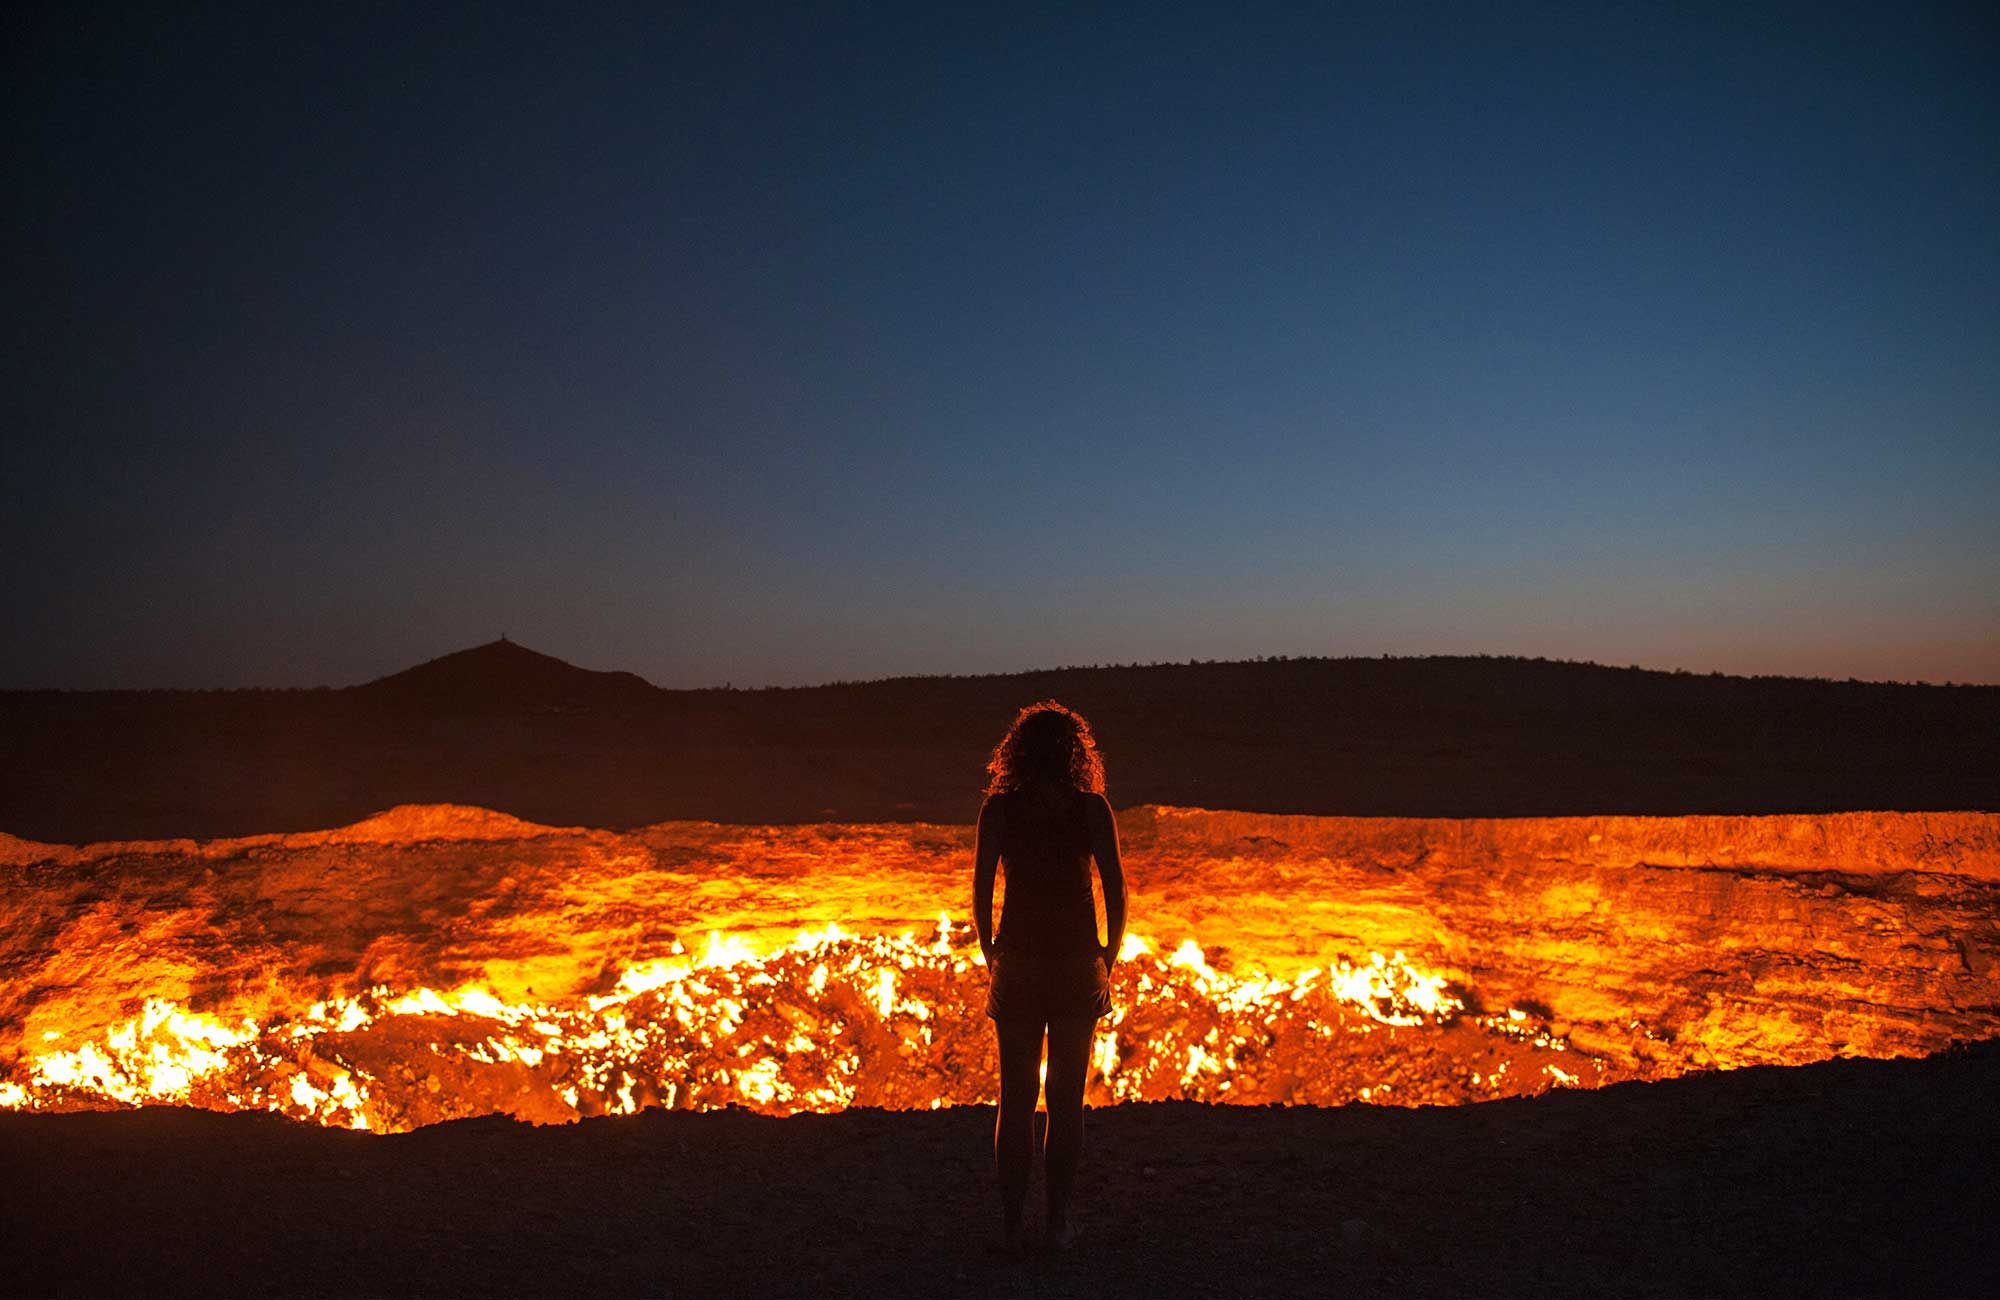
x,y
1044,819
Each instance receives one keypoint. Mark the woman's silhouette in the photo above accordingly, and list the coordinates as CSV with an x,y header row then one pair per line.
x,y
1044,819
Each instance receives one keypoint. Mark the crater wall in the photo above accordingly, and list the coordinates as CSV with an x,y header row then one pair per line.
x,y
1658,944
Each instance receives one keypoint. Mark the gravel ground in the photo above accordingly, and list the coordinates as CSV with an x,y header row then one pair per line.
x,y
1845,1178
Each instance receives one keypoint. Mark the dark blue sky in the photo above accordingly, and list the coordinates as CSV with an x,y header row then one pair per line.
x,y
847,342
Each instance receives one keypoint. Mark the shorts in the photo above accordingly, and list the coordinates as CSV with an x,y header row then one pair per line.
x,y
1043,987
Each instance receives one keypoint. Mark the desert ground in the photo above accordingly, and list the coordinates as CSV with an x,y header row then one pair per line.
x,y
1841,1177
502,727
1849,1178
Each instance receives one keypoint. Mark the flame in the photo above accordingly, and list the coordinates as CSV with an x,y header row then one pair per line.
x,y
830,1020
1393,992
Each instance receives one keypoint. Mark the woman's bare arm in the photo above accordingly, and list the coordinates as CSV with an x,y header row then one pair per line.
x,y
1104,847
985,864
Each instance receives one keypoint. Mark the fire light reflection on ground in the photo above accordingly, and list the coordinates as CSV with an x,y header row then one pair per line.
x,y
830,1021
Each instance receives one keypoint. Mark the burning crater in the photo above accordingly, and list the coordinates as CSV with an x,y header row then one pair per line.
x,y
439,962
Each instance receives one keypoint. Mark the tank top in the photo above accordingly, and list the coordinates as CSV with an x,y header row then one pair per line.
x,y
1045,860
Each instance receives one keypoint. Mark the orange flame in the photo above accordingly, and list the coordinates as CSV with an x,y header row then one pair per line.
x,y
828,1021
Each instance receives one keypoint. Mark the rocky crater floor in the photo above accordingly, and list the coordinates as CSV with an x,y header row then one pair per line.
x,y
1555,951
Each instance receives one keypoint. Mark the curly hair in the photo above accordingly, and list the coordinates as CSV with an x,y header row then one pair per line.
x,y
1046,743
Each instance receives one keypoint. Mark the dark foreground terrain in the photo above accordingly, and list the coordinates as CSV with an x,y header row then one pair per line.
x,y
1852,1177
502,727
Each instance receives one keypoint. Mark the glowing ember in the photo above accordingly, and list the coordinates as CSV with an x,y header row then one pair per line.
x,y
436,962
831,1020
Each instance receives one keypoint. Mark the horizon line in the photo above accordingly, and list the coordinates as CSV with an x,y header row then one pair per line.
x,y
1111,666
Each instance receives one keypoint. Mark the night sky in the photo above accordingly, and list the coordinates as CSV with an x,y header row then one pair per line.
x,y
802,344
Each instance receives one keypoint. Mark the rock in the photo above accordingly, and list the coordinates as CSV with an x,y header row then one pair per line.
x,y
1660,944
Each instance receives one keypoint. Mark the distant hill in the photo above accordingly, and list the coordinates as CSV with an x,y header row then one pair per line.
x,y
502,677
503,727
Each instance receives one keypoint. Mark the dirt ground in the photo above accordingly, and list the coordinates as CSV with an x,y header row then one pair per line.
x,y
1850,1177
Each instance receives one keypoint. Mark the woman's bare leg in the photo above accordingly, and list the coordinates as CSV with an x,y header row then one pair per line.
x,y
1069,1068
1014,1130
